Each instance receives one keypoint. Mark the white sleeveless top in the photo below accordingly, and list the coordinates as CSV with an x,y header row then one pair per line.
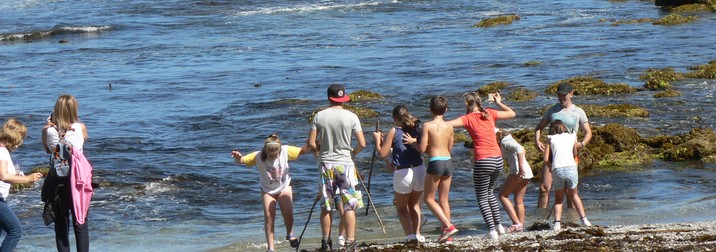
x,y
5,156
562,149
75,137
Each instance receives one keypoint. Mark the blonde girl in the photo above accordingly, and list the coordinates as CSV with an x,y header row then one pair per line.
x,y
12,134
272,163
65,123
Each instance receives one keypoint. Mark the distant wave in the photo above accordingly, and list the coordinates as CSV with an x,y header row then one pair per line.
x,y
37,35
305,8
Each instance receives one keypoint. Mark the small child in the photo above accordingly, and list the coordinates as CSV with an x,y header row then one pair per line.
x,y
407,168
272,163
436,140
517,180
559,157
12,134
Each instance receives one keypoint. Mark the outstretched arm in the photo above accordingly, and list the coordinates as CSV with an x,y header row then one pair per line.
x,y
506,112
383,143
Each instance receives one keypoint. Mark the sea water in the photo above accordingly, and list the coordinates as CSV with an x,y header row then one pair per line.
x,y
168,88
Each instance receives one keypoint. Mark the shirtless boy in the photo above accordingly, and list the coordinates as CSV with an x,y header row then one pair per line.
x,y
437,140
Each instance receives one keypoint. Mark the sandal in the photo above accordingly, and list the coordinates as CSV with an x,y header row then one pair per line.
x,y
292,239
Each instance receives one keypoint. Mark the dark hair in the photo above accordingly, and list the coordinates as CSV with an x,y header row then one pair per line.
x,y
272,143
557,127
438,105
407,121
472,101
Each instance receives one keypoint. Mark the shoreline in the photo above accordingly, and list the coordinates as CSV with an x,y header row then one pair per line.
x,y
690,236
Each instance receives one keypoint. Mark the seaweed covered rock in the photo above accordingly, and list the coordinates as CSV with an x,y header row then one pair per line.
x,y
362,113
614,110
667,93
660,79
521,95
364,95
585,85
532,63
633,21
622,138
705,71
675,19
698,144
19,187
492,87
500,20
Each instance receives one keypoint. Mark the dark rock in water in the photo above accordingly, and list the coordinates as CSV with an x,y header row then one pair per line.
x,y
62,41
674,2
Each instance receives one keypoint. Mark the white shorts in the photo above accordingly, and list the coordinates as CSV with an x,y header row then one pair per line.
x,y
409,179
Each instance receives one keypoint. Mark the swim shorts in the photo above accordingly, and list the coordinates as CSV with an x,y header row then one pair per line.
x,y
338,181
440,167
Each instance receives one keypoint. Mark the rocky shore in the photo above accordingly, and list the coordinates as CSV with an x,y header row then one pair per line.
x,y
699,236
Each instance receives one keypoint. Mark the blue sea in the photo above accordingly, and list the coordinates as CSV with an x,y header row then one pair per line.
x,y
168,88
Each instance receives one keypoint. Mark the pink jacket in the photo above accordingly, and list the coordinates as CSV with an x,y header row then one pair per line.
x,y
81,181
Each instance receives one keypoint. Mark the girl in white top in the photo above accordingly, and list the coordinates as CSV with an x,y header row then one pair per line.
x,y
12,135
272,163
559,157
517,180
65,121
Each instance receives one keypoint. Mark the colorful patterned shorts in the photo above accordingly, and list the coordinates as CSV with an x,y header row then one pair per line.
x,y
338,181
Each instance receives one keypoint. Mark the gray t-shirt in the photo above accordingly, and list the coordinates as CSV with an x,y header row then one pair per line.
x,y
334,128
572,117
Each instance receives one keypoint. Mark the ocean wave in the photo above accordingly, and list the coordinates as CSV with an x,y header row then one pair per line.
x,y
59,30
305,8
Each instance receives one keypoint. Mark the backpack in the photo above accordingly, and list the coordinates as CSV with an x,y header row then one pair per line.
x,y
61,157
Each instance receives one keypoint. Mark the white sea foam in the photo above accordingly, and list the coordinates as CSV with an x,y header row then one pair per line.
x,y
305,8
85,28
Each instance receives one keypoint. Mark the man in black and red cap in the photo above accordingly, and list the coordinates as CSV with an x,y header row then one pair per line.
x,y
331,132
574,118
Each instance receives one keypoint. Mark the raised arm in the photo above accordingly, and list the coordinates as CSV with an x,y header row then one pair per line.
x,y
506,112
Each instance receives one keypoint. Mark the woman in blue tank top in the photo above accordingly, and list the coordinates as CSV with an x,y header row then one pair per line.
x,y
407,168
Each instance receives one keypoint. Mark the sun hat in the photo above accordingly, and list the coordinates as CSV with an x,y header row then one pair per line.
x,y
564,88
337,93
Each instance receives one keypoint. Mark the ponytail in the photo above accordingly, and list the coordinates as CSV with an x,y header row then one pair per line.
x,y
271,144
406,121
472,102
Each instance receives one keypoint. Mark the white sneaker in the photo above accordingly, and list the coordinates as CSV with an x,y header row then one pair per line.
x,y
500,229
492,235
586,222
556,226
341,241
420,237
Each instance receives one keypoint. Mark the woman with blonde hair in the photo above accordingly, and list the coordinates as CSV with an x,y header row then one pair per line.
x,y
64,127
272,163
12,134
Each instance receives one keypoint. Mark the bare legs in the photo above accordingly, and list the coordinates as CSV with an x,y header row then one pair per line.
x,y
408,209
285,201
518,186
442,185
